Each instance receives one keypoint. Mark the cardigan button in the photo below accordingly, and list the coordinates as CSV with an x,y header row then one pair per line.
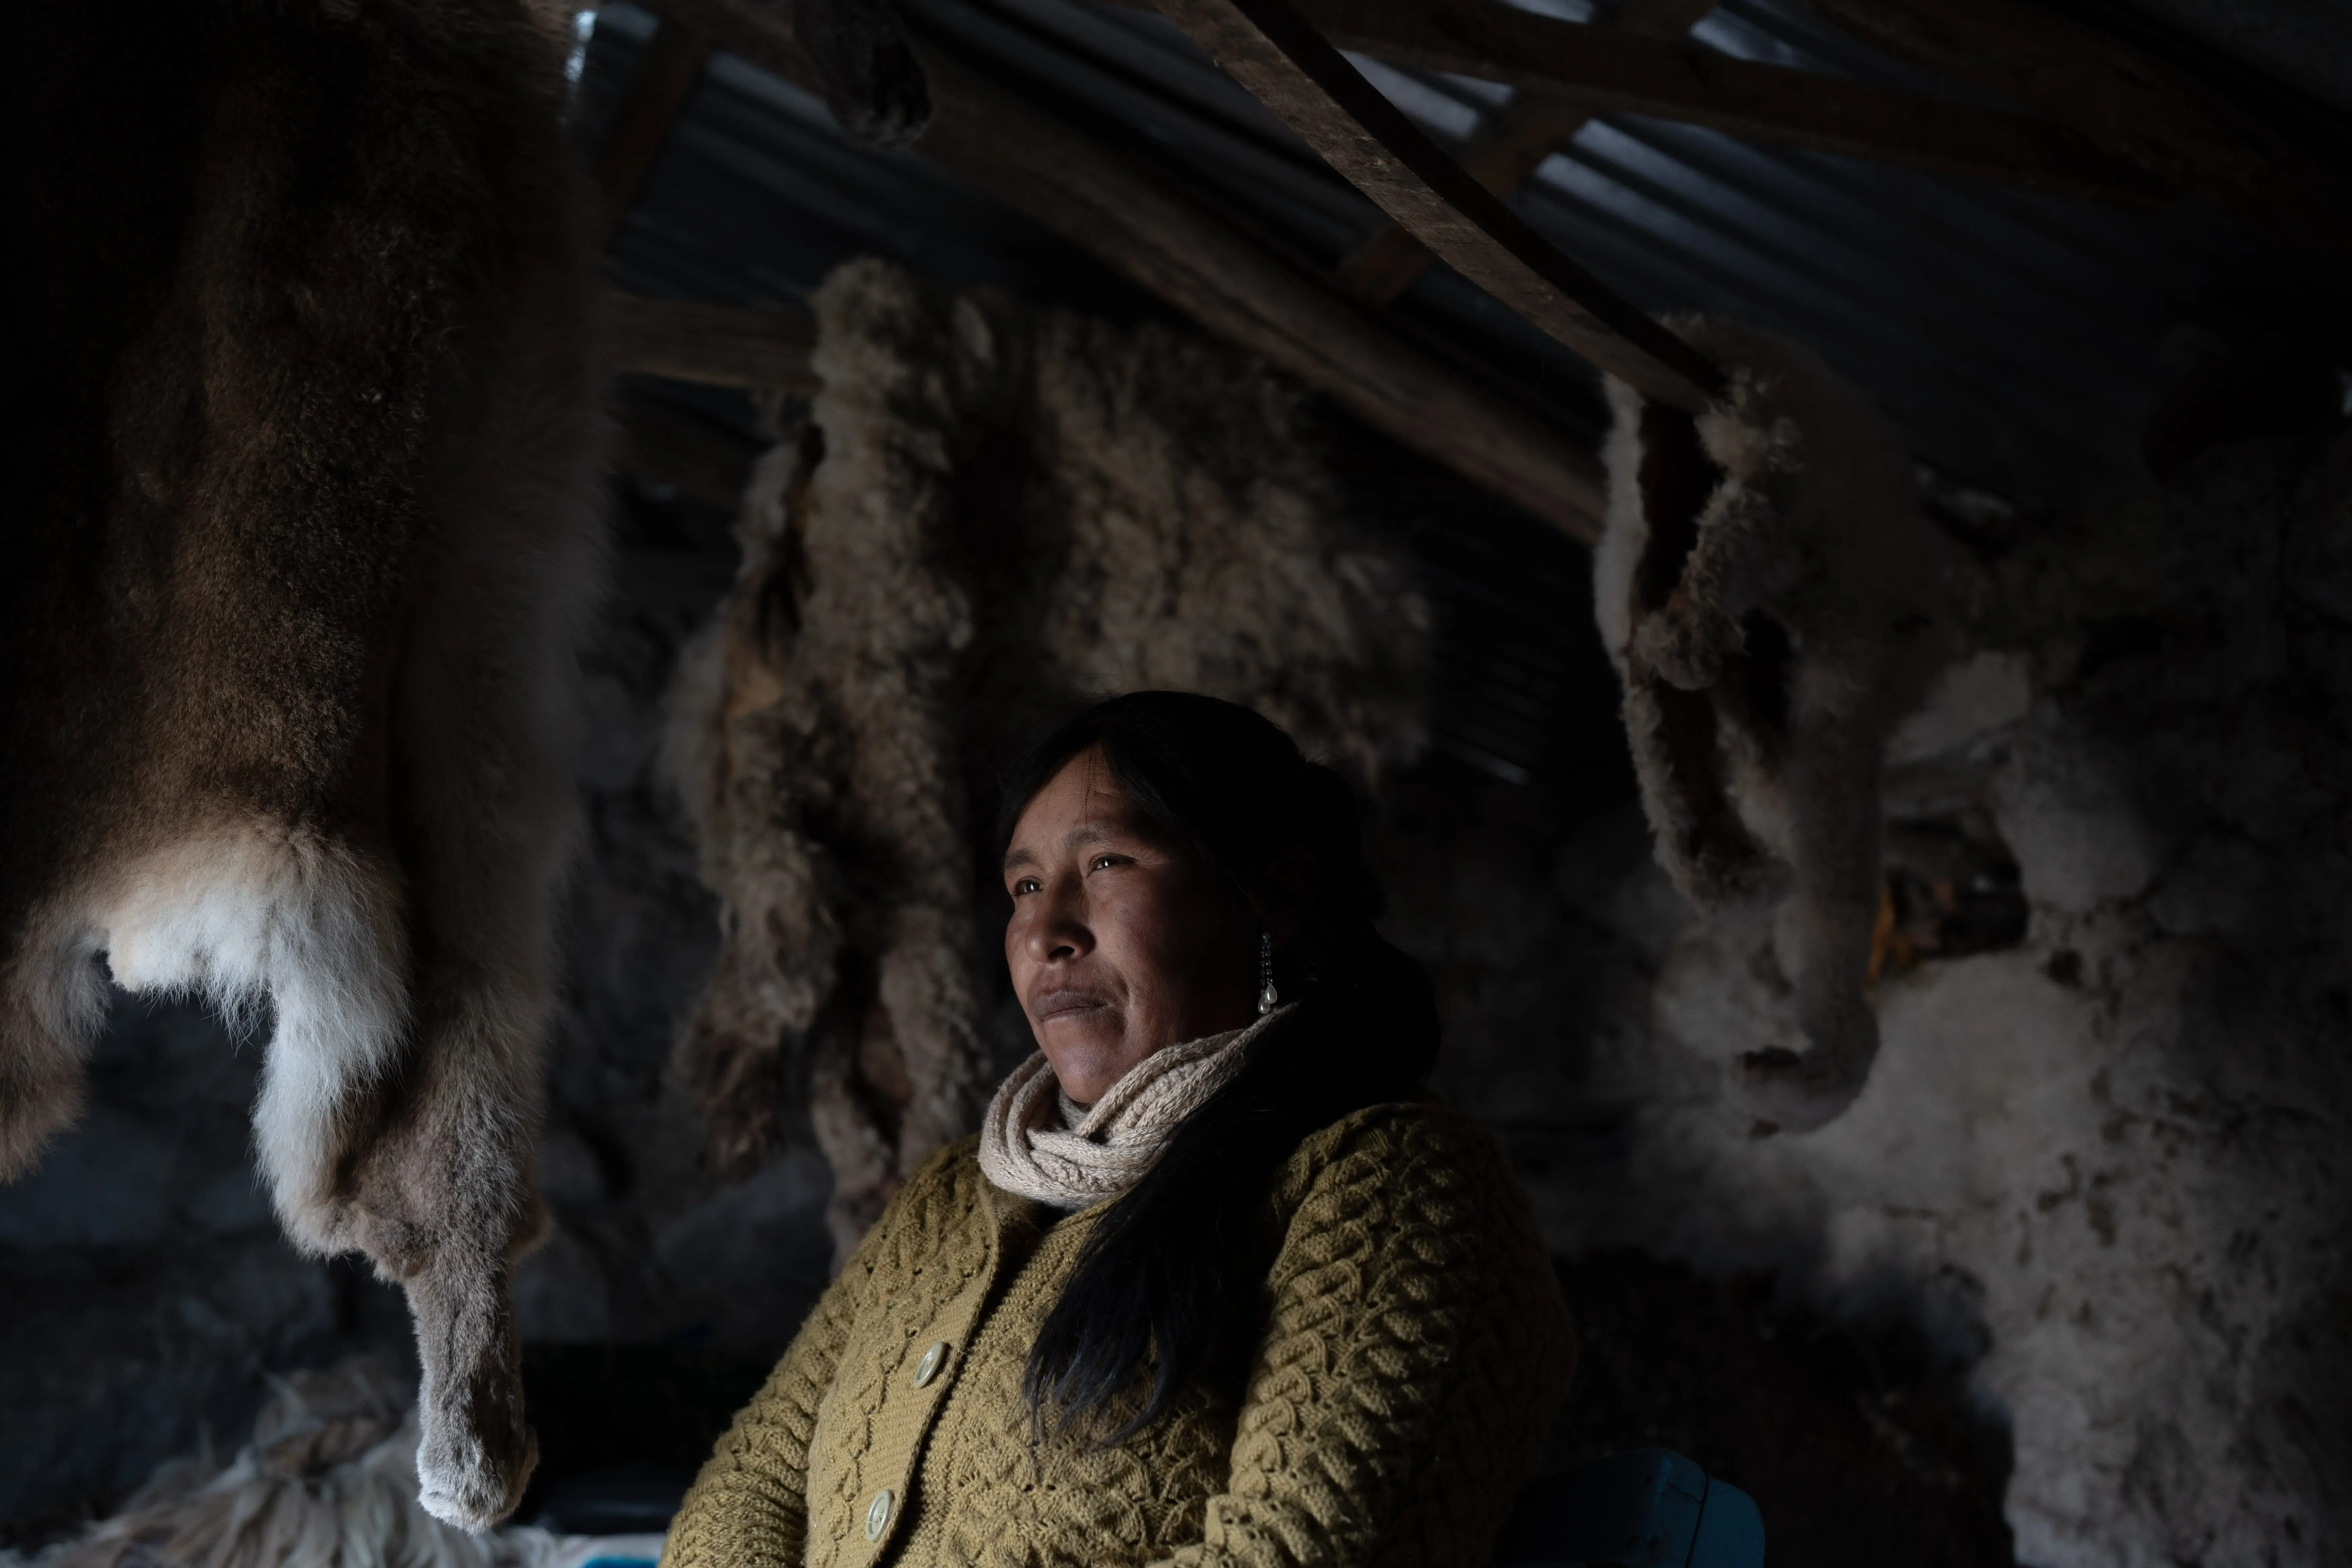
x,y
877,1515
929,1367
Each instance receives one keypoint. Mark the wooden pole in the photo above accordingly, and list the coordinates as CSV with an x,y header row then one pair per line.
x,y
672,63
1128,215
1621,70
713,345
1506,154
1270,48
2135,106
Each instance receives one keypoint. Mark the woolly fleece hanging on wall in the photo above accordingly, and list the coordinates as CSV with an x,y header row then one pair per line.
x,y
1768,590
993,512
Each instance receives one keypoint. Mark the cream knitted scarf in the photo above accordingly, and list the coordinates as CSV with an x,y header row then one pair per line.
x,y
1037,1142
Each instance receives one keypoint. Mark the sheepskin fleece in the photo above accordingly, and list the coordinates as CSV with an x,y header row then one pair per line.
x,y
1767,588
328,1479
993,513
304,530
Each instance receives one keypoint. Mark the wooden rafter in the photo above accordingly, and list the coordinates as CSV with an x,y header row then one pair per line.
x,y
1506,154
1504,157
1128,215
1618,69
1269,48
667,73
762,350
2132,104
762,34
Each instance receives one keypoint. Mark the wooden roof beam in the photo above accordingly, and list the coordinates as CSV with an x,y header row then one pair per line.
x,y
1131,218
753,348
2123,99
1270,48
1619,71
666,74
1506,153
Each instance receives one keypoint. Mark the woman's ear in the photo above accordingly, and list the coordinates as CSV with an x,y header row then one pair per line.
x,y
1287,891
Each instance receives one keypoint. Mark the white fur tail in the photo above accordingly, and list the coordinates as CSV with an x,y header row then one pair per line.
x,y
260,912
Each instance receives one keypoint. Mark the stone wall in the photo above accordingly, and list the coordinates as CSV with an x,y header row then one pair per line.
x,y
2106,1165
2078,1251
143,1285
646,1246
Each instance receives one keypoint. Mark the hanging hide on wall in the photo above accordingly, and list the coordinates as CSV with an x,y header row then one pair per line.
x,y
303,528
874,86
992,512
326,1479
1767,587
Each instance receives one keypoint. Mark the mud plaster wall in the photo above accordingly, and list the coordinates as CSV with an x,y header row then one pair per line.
x,y
2106,1165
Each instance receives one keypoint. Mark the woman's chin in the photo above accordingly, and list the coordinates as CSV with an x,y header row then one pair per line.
x,y
1086,1063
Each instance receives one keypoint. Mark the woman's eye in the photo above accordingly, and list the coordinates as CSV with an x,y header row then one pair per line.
x,y
1103,862
1025,885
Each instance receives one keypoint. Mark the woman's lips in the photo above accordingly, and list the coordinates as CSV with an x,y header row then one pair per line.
x,y
1061,1003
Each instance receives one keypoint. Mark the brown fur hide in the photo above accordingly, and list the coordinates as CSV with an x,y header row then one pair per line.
x,y
992,512
303,533
1767,587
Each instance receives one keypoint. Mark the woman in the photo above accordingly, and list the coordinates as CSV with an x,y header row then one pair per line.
x,y
1217,1283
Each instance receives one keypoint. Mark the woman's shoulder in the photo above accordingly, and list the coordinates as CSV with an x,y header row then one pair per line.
x,y
1418,1152
948,1183
1415,1205
931,1207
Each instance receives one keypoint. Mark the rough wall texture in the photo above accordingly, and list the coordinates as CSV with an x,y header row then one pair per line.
x,y
2110,1157
144,1283
647,1243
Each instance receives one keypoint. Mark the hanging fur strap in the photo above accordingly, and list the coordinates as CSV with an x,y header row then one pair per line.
x,y
1766,587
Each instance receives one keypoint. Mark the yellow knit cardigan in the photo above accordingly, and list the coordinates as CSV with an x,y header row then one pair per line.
x,y
1410,1348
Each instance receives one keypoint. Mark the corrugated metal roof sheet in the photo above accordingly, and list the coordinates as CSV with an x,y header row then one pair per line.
x,y
2017,338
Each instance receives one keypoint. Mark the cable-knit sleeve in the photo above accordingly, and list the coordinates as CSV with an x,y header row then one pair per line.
x,y
1416,1350
749,1508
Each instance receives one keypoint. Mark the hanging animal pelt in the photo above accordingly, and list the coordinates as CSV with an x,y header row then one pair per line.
x,y
865,62
992,512
1767,589
303,526
328,1479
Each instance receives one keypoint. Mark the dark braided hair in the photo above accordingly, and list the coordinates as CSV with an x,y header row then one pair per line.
x,y
1171,1260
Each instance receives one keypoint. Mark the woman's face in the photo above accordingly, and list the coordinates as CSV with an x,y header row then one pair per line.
x,y
1122,940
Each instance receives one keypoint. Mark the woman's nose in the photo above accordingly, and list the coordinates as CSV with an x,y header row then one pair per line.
x,y
1058,929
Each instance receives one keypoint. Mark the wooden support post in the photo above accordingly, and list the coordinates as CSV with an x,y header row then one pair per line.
x,y
713,345
673,61
1270,48
1506,154
1128,215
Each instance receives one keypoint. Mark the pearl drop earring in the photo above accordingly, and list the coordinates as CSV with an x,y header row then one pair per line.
x,y
1266,995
